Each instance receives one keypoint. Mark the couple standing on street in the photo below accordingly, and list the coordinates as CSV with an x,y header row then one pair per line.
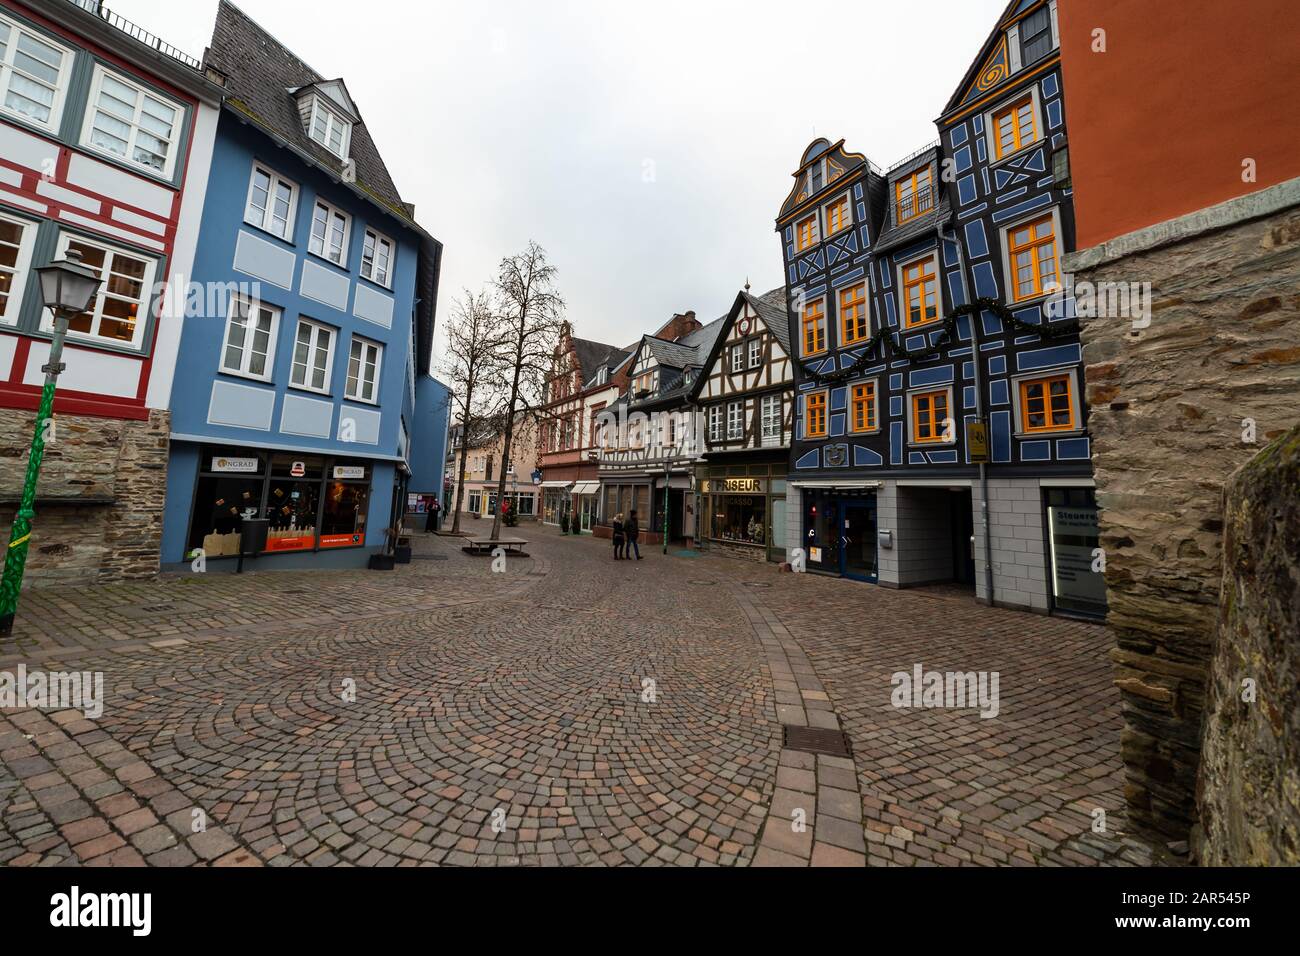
x,y
625,533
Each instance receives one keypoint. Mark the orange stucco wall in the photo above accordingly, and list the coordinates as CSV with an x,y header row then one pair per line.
x,y
1161,122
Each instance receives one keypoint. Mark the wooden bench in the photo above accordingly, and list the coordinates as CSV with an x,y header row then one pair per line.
x,y
488,545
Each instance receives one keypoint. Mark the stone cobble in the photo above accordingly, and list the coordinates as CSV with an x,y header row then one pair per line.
x,y
570,711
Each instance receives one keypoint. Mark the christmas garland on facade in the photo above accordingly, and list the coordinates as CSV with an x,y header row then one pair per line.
x,y
884,339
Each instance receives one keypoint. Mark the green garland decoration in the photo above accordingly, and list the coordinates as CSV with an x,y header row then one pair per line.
x,y
884,341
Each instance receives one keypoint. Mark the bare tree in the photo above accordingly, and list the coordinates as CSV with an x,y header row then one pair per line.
x,y
472,367
530,312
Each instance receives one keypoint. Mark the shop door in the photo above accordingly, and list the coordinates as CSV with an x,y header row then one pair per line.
x,y
962,523
776,535
858,540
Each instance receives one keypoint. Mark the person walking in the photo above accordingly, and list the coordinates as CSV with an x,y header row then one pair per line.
x,y
631,529
618,536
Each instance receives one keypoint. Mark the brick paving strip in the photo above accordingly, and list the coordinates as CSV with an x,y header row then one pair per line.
x,y
825,788
71,795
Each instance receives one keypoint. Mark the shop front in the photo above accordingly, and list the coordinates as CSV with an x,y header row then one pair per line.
x,y
586,504
556,501
314,503
743,510
839,531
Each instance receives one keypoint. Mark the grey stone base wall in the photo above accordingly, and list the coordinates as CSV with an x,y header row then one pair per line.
x,y
1177,407
1250,765
117,472
1020,564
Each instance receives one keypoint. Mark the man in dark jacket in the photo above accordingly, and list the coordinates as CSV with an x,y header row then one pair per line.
x,y
630,529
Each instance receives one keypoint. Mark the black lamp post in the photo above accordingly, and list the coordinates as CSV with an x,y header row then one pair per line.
x,y
67,289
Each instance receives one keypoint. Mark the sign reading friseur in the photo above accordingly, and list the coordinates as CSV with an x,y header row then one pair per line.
x,y
733,486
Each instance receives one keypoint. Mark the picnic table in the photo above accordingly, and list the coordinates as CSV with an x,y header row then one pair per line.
x,y
483,545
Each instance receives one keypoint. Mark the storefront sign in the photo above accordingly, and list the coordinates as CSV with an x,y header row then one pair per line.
x,y
815,554
298,469
342,540
290,541
1078,582
349,471
977,441
242,465
732,486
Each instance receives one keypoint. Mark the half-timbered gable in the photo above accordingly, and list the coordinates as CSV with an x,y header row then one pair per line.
x,y
940,371
1005,131
745,386
744,394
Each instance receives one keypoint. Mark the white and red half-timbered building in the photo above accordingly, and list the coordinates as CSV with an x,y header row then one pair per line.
x,y
106,139
745,394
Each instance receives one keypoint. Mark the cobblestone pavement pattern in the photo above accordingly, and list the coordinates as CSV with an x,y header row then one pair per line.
x,y
569,711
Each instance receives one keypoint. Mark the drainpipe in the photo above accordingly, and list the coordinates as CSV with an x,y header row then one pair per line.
x,y
979,410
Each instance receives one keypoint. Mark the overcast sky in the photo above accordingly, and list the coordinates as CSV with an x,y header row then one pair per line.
x,y
647,146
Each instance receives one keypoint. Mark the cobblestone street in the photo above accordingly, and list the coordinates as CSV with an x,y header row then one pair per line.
x,y
570,711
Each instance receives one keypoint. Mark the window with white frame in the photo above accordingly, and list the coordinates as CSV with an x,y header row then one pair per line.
x,y
129,121
33,75
363,370
118,312
250,338
377,258
737,358
313,356
271,203
16,239
329,233
755,352
329,128
771,419
735,421
715,423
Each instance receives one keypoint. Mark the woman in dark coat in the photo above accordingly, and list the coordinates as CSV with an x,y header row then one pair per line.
x,y
618,536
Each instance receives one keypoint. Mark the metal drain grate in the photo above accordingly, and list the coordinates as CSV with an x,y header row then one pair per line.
x,y
428,557
757,584
815,740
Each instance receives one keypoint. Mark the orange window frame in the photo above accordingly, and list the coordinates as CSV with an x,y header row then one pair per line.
x,y
920,275
1045,404
815,415
1016,112
931,410
862,407
814,327
853,314
837,215
1033,246
805,232
915,182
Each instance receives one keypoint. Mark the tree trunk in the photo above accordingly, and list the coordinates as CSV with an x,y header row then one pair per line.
x,y
510,419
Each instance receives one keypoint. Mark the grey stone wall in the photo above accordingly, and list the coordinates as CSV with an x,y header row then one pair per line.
x,y
1174,407
1016,527
112,473
1248,788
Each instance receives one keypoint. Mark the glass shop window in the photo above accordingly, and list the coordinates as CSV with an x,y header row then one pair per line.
x,y
740,518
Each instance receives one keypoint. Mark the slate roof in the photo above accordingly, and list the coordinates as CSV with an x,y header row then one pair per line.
x,y
772,308
687,353
891,236
260,72
594,355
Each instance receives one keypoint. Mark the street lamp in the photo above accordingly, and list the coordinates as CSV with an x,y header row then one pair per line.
x,y
67,289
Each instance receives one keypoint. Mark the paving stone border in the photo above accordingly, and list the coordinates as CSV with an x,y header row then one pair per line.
x,y
824,788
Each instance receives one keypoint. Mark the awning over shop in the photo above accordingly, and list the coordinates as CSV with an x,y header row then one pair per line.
x,y
586,487
556,484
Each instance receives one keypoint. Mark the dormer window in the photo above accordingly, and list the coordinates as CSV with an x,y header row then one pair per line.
x,y
329,129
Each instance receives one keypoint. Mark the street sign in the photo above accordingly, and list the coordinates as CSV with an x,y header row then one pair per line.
x,y
977,441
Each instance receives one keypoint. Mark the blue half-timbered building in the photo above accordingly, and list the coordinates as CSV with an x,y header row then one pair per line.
x,y
939,373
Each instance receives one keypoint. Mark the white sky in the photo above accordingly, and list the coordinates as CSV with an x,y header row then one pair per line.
x,y
515,119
